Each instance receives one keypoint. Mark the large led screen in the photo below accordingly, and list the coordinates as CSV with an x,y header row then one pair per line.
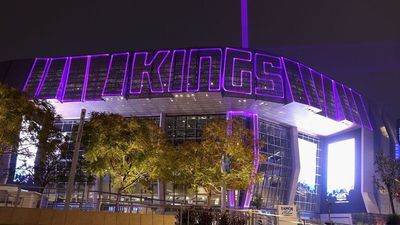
x,y
308,165
341,169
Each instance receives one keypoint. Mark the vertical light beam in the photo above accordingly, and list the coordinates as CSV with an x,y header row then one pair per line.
x,y
244,20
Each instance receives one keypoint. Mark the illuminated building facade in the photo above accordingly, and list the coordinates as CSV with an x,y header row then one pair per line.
x,y
310,125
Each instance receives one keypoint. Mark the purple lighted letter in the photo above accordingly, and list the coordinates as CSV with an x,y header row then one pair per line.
x,y
141,68
116,75
177,71
200,65
75,79
53,75
238,64
295,80
35,76
268,74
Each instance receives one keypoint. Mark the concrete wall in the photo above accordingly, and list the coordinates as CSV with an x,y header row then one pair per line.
x,y
26,216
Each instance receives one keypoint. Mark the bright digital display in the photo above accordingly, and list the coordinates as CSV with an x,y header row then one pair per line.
x,y
341,169
308,165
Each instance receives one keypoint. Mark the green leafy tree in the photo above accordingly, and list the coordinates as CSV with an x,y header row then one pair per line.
x,y
388,176
14,106
198,164
177,163
123,148
29,123
231,139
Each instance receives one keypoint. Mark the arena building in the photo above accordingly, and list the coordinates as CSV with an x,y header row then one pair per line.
x,y
320,135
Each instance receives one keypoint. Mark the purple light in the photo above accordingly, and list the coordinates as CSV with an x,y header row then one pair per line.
x,y
369,126
46,85
30,81
316,89
231,70
91,76
249,192
171,77
30,74
274,77
43,77
294,78
310,90
85,81
365,112
68,78
244,20
208,54
340,115
304,85
232,198
147,70
64,80
318,76
244,60
123,88
287,78
347,104
352,103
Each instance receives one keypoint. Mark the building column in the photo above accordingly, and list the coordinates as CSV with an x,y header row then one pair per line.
x,y
366,169
294,143
161,185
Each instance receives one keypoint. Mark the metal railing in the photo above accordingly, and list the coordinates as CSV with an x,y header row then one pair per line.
x,y
186,214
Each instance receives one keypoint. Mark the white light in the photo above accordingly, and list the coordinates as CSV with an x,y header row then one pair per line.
x,y
26,160
308,162
341,168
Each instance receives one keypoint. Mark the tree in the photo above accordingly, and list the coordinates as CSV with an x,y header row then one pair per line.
x,y
198,164
388,173
14,105
123,148
29,124
231,139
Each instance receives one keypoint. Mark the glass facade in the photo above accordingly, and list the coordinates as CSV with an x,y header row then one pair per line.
x,y
180,128
273,188
275,146
308,188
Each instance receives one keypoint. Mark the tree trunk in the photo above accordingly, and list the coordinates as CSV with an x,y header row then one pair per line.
x,y
391,200
118,200
209,194
100,193
43,199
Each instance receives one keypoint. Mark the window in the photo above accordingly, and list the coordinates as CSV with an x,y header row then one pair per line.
x,y
308,191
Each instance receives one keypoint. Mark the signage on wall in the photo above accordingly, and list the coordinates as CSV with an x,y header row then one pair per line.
x,y
234,72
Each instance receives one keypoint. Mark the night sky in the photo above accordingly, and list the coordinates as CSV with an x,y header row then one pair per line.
x,y
355,42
